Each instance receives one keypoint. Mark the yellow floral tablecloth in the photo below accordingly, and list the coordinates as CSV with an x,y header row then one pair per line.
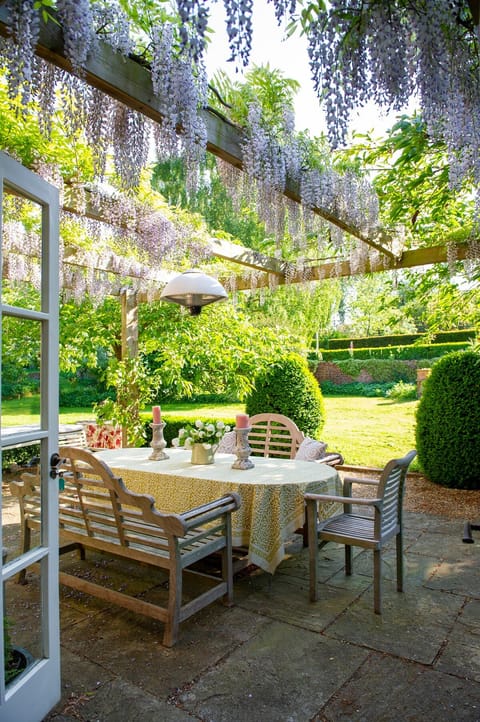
x,y
271,493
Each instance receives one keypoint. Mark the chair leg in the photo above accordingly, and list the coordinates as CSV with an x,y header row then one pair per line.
x,y
312,549
227,563
25,547
399,542
348,559
377,581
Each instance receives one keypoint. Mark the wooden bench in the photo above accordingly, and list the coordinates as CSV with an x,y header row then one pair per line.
x,y
97,511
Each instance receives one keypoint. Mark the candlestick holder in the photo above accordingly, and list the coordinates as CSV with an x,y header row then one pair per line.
x,y
158,443
242,449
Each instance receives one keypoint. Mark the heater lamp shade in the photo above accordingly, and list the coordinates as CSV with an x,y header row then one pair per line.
x,y
193,289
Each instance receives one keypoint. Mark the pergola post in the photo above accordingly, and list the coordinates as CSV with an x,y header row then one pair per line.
x,y
129,305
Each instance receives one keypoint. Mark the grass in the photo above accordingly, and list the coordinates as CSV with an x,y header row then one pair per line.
x,y
367,431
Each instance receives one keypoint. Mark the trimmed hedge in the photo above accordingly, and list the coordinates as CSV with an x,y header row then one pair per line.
x,y
448,422
402,353
288,387
464,335
173,425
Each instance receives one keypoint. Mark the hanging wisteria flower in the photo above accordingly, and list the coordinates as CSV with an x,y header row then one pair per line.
x,y
207,434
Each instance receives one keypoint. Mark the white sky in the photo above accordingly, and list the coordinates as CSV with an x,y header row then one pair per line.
x,y
291,57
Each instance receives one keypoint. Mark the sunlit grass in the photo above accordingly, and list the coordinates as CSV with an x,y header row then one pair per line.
x,y
367,431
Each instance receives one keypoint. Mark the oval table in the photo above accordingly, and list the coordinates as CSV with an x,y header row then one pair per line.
x,y
272,492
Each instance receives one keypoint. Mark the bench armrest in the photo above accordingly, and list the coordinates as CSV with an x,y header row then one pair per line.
x,y
205,513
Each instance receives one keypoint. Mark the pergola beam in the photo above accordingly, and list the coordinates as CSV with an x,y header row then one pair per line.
x,y
409,259
129,82
218,246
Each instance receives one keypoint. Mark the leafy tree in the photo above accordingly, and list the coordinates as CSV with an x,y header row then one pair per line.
x,y
410,172
217,353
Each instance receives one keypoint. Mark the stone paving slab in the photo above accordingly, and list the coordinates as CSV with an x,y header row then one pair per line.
x,y
141,659
412,625
275,656
461,653
283,673
388,689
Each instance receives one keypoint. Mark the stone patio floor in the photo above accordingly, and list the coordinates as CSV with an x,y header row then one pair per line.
x,y
276,657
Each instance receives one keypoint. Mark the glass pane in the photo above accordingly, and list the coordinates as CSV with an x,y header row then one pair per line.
x,y
21,251
21,347
21,491
22,623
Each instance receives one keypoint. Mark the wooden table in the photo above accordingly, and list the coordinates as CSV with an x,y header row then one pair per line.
x,y
272,492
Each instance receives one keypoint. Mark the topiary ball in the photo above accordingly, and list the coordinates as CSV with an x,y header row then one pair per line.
x,y
288,387
448,422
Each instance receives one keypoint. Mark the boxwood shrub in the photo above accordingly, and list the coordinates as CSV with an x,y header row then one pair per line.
x,y
448,422
288,387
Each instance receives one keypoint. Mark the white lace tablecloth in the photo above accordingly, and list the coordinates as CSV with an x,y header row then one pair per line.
x,y
271,493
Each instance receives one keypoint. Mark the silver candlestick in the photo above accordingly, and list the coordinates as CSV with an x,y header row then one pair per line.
x,y
158,443
242,450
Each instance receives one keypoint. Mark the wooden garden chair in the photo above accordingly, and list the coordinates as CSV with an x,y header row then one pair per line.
x,y
277,436
356,529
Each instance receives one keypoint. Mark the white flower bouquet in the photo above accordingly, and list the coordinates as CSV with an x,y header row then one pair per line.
x,y
207,434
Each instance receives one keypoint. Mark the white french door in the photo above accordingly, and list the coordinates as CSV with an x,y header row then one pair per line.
x,y
29,360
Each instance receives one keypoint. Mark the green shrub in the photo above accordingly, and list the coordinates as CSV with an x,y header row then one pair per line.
x,y
20,456
399,353
288,387
399,339
448,422
402,392
356,388
173,425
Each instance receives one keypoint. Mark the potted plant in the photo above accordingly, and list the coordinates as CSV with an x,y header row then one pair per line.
x,y
16,658
202,438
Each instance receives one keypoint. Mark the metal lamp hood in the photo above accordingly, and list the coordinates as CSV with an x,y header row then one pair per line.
x,y
193,289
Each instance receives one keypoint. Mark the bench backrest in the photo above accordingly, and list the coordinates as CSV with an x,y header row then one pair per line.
x,y
77,438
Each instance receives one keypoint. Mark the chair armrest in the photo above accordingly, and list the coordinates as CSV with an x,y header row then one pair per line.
x,y
356,480
349,480
342,499
334,458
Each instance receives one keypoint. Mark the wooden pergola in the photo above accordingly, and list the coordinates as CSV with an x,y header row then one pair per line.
x,y
129,81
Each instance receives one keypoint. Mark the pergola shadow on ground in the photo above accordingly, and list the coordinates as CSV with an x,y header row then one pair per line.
x,y
275,655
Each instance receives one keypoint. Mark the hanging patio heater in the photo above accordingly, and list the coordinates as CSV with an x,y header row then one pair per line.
x,y
193,289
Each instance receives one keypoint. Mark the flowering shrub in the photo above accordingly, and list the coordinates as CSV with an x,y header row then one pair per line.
x,y
207,434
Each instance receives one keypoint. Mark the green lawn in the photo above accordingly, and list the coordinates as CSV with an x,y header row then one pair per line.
x,y
367,431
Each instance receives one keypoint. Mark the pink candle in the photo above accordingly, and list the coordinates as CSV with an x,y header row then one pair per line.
x,y
157,416
242,421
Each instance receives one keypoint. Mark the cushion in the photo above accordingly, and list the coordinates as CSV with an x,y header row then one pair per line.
x,y
311,450
227,443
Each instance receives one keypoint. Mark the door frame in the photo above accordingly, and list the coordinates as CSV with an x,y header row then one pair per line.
x,y
41,681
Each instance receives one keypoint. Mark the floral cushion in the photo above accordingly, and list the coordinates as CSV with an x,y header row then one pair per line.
x,y
227,443
103,437
311,450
